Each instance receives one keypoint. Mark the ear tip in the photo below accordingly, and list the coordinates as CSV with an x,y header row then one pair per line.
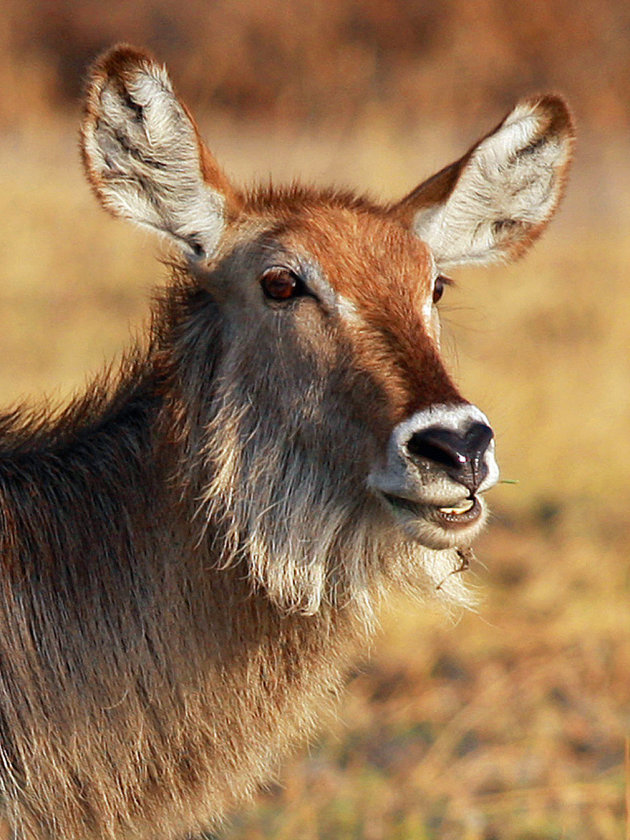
x,y
119,65
555,111
119,59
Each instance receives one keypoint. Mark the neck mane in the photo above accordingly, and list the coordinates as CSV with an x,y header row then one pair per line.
x,y
141,604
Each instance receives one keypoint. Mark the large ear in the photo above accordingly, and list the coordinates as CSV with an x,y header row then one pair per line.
x,y
498,198
144,157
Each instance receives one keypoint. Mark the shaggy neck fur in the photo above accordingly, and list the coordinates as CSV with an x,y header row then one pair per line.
x,y
172,620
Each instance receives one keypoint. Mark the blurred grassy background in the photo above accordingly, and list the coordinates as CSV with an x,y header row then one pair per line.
x,y
510,723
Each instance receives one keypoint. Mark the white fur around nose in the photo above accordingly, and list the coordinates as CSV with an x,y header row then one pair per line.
x,y
400,477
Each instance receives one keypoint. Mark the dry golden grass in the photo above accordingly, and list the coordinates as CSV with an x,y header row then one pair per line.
x,y
510,723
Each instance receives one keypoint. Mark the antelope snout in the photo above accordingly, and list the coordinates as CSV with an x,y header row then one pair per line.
x,y
437,462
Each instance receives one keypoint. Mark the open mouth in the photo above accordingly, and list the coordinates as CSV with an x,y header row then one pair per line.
x,y
460,515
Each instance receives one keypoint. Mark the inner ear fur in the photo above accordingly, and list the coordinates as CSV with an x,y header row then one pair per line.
x,y
144,156
497,199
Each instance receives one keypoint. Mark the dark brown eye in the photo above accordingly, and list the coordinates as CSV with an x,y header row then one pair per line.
x,y
441,282
281,284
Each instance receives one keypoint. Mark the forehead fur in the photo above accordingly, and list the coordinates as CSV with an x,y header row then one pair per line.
x,y
384,270
363,252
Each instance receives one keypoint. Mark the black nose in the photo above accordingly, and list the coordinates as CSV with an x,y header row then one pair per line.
x,y
459,454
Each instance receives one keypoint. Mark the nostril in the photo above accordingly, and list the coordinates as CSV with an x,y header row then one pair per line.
x,y
459,454
478,439
439,445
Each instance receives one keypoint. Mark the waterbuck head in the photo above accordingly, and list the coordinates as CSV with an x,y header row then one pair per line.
x,y
333,443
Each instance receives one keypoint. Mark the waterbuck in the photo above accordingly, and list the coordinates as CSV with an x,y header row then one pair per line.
x,y
192,552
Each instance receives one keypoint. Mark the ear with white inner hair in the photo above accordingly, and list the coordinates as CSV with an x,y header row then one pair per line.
x,y
144,157
496,200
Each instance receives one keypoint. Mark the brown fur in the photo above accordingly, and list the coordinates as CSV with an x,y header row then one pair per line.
x,y
147,684
142,693
190,558
385,271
